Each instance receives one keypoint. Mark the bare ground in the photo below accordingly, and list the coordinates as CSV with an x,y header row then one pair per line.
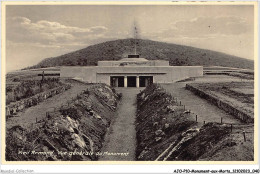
x,y
121,138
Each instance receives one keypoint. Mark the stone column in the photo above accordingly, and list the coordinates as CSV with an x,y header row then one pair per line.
x,y
146,82
125,81
116,82
137,81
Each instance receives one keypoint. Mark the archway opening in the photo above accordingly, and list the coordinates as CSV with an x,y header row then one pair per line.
x,y
117,81
145,80
131,81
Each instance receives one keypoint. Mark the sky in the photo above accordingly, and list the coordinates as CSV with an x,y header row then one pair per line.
x,y
36,32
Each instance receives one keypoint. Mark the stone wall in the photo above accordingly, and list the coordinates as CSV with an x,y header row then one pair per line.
x,y
245,117
18,106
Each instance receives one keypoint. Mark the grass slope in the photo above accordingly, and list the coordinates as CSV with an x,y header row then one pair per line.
x,y
176,54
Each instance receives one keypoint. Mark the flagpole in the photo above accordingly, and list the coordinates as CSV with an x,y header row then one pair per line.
x,y
135,39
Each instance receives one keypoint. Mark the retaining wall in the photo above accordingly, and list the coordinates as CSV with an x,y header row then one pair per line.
x,y
238,113
18,106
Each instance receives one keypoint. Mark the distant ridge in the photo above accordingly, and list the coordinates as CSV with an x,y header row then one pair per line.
x,y
177,55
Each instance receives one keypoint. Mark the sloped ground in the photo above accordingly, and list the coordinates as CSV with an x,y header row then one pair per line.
x,y
232,147
29,115
158,117
27,88
73,132
166,131
175,54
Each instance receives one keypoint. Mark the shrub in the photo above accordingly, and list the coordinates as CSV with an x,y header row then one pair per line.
x,y
71,112
16,79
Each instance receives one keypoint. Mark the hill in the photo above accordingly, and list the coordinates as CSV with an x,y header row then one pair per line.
x,y
176,54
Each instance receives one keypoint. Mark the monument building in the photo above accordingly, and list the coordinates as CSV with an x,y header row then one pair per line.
x,y
132,71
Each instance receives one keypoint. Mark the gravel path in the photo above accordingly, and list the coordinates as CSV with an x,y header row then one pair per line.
x,y
121,137
29,115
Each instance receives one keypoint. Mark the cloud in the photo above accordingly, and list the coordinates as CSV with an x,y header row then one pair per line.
x,y
21,20
230,34
208,27
98,29
23,30
228,25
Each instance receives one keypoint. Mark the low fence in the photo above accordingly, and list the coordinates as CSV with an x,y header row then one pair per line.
x,y
238,113
18,106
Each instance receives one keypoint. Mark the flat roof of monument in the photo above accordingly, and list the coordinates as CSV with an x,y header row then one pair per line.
x,y
133,59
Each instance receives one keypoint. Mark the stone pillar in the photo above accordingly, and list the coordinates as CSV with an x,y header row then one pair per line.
x,y
116,82
137,81
125,81
146,82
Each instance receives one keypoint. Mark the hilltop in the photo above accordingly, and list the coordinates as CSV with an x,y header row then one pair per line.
x,y
176,54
